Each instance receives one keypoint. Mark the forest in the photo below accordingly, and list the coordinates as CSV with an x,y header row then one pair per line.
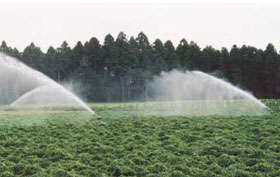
x,y
119,68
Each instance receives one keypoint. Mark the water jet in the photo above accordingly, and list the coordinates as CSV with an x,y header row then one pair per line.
x,y
197,93
23,85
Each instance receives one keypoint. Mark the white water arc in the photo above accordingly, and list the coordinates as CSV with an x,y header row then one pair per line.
x,y
24,85
231,87
198,93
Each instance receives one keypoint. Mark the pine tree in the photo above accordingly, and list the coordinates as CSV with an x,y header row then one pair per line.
x,y
170,56
33,56
145,51
78,54
51,67
235,58
271,68
159,63
63,62
211,59
93,53
182,52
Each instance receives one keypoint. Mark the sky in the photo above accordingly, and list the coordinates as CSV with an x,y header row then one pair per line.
x,y
217,24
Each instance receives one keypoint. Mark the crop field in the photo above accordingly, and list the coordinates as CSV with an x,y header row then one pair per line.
x,y
126,141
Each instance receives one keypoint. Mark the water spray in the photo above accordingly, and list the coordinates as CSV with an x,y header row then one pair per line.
x,y
23,85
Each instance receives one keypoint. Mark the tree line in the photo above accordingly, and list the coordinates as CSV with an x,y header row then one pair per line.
x,y
118,69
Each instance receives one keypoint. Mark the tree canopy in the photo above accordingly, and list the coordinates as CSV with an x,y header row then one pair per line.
x,y
118,69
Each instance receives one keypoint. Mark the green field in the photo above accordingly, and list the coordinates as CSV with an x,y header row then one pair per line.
x,y
129,142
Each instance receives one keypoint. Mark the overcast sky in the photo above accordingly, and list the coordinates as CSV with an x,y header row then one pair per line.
x,y
216,24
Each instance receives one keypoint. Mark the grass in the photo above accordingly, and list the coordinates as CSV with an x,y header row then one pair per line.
x,y
130,142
